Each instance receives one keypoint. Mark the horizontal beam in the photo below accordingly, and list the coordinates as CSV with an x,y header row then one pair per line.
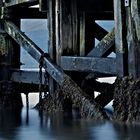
x,y
104,47
27,3
29,88
26,76
89,64
53,70
26,13
95,5
102,15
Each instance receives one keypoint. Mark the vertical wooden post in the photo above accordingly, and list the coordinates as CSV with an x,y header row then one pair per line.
x,y
51,42
69,27
89,33
120,38
74,14
133,37
58,31
9,58
82,34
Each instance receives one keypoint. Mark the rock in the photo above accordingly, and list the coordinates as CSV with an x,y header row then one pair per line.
x,y
127,100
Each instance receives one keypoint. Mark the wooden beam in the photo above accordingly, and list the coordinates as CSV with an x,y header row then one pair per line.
x,y
95,5
26,13
89,33
28,88
51,42
133,37
68,31
58,21
26,76
89,64
104,47
53,70
120,38
102,15
43,5
12,3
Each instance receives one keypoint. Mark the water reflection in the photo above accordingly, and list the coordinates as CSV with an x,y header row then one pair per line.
x,y
31,124
9,123
127,132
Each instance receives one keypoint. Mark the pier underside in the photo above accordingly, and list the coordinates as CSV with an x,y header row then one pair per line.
x,y
74,60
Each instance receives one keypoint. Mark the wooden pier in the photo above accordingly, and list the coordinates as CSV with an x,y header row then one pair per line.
x,y
72,50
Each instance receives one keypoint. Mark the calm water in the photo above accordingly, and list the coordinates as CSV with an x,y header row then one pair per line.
x,y
33,126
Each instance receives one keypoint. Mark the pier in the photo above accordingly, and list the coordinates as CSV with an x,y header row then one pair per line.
x,y
73,61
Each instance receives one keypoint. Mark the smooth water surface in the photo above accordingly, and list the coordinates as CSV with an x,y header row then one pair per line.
x,y
31,125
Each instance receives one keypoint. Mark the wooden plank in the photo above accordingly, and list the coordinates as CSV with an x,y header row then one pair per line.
x,y
120,38
89,64
133,38
27,3
104,47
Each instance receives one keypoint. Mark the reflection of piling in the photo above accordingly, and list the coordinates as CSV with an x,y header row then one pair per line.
x,y
27,116
27,100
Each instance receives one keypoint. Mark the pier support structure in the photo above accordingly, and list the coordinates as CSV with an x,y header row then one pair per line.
x,y
9,59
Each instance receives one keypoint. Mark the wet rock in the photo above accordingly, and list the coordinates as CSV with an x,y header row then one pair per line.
x,y
127,100
69,90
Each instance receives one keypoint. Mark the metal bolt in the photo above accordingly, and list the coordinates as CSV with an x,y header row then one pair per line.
x,y
126,3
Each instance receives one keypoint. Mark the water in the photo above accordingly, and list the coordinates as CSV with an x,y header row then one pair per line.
x,y
33,126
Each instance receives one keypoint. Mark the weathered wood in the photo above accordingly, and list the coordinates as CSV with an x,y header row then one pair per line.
x,y
82,33
120,38
51,42
89,64
104,47
53,70
133,37
9,53
68,31
68,86
74,14
43,5
26,76
21,3
58,13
